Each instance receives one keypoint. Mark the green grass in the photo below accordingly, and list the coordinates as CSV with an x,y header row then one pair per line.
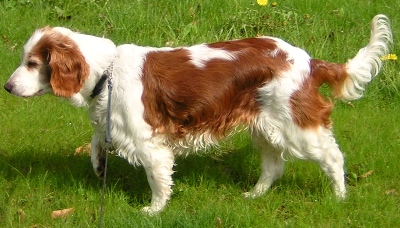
x,y
39,172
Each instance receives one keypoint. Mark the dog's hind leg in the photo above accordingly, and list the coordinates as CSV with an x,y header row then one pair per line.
x,y
320,146
158,161
330,159
272,166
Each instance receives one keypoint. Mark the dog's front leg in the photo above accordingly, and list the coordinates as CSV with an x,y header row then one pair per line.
x,y
97,157
158,162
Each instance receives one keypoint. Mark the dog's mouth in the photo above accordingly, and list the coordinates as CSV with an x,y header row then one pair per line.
x,y
12,89
40,92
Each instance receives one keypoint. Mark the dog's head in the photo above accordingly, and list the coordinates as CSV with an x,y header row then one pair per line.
x,y
59,61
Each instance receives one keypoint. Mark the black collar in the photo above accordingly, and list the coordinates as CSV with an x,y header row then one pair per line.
x,y
99,86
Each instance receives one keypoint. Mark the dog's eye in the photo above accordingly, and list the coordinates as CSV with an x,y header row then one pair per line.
x,y
32,64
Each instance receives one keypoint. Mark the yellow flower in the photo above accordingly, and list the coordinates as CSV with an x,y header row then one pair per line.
x,y
262,2
389,57
274,4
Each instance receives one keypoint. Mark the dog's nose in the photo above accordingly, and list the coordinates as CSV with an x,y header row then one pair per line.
x,y
8,86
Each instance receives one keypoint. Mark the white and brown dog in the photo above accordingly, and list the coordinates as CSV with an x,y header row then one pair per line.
x,y
172,101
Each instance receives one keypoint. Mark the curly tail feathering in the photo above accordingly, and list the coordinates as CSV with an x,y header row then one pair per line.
x,y
367,63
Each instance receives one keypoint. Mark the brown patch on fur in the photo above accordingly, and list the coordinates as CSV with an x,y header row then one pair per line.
x,y
309,108
331,73
181,98
68,68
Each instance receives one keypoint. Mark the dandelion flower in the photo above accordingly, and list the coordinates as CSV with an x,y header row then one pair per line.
x,y
274,4
262,2
389,57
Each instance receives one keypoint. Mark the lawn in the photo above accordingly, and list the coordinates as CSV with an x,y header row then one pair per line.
x,y
41,170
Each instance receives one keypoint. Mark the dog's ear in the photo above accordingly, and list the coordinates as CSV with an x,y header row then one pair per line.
x,y
68,67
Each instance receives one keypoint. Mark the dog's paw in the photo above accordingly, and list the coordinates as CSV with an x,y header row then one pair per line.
x,y
149,211
340,195
251,195
100,169
248,195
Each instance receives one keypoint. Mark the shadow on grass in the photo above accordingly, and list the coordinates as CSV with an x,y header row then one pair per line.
x,y
229,168
66,169
239,167
236,169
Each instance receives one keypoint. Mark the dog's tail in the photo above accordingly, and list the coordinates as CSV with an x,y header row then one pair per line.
x,y
348,80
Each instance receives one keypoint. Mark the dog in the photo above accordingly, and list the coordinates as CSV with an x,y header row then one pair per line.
x,y
175,101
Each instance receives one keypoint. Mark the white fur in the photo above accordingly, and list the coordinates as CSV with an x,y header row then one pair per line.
x,y
201,54
366,64
273,132
276,134
29,83
26,82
